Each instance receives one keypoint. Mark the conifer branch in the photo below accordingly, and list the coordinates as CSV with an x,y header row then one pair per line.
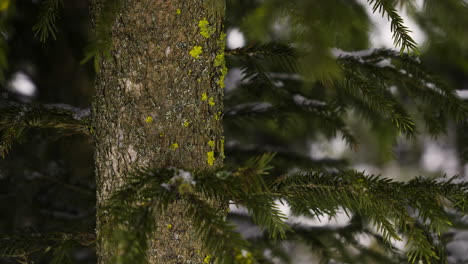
x,y
387,204
130,213
383,201
23,244
218,235
401,37
246,186
283,57
283,158
147,194
48,15
328,117
369,76
16,119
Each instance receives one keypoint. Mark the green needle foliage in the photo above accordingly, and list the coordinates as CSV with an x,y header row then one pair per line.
x,y
401,37
46,26
16,119
396,209
21,245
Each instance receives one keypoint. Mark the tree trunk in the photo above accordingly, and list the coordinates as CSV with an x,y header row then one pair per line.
x,y
159,103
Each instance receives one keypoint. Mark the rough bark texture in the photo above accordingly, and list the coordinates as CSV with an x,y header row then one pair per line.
x,y
159,103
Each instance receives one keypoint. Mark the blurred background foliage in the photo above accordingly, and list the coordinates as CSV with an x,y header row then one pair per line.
x,y
290,90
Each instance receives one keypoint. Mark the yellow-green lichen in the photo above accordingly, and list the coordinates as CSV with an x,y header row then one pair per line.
x,y
174,146
169,227
186,124
196,51
204,97
149,120
205,28
189,72
178,11
185,188
222,148
207,259
4,5
244,257
217,116
211,143
210,159
219,59
161,134
211,101
220,82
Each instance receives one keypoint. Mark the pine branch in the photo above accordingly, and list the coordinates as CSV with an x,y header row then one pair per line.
x,y
369,75
380,69
327,115
130,213
366,88
383,201
329,242
148,193
16,119
282,56
401,37
283,158
218,236
23,244
48,15
387,204
246,186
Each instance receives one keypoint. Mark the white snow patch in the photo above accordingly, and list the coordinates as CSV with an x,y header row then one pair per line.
x,y
168,51
458,247
62,107
341,219
21,83
338,53
301,100
438,158
384,63
166,186
78,113
183,176
235,38
82,113
258,106
132,153
333,148
463,94
233,79
393,89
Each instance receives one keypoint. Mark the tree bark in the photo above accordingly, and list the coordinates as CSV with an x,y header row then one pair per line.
x,y
158,103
